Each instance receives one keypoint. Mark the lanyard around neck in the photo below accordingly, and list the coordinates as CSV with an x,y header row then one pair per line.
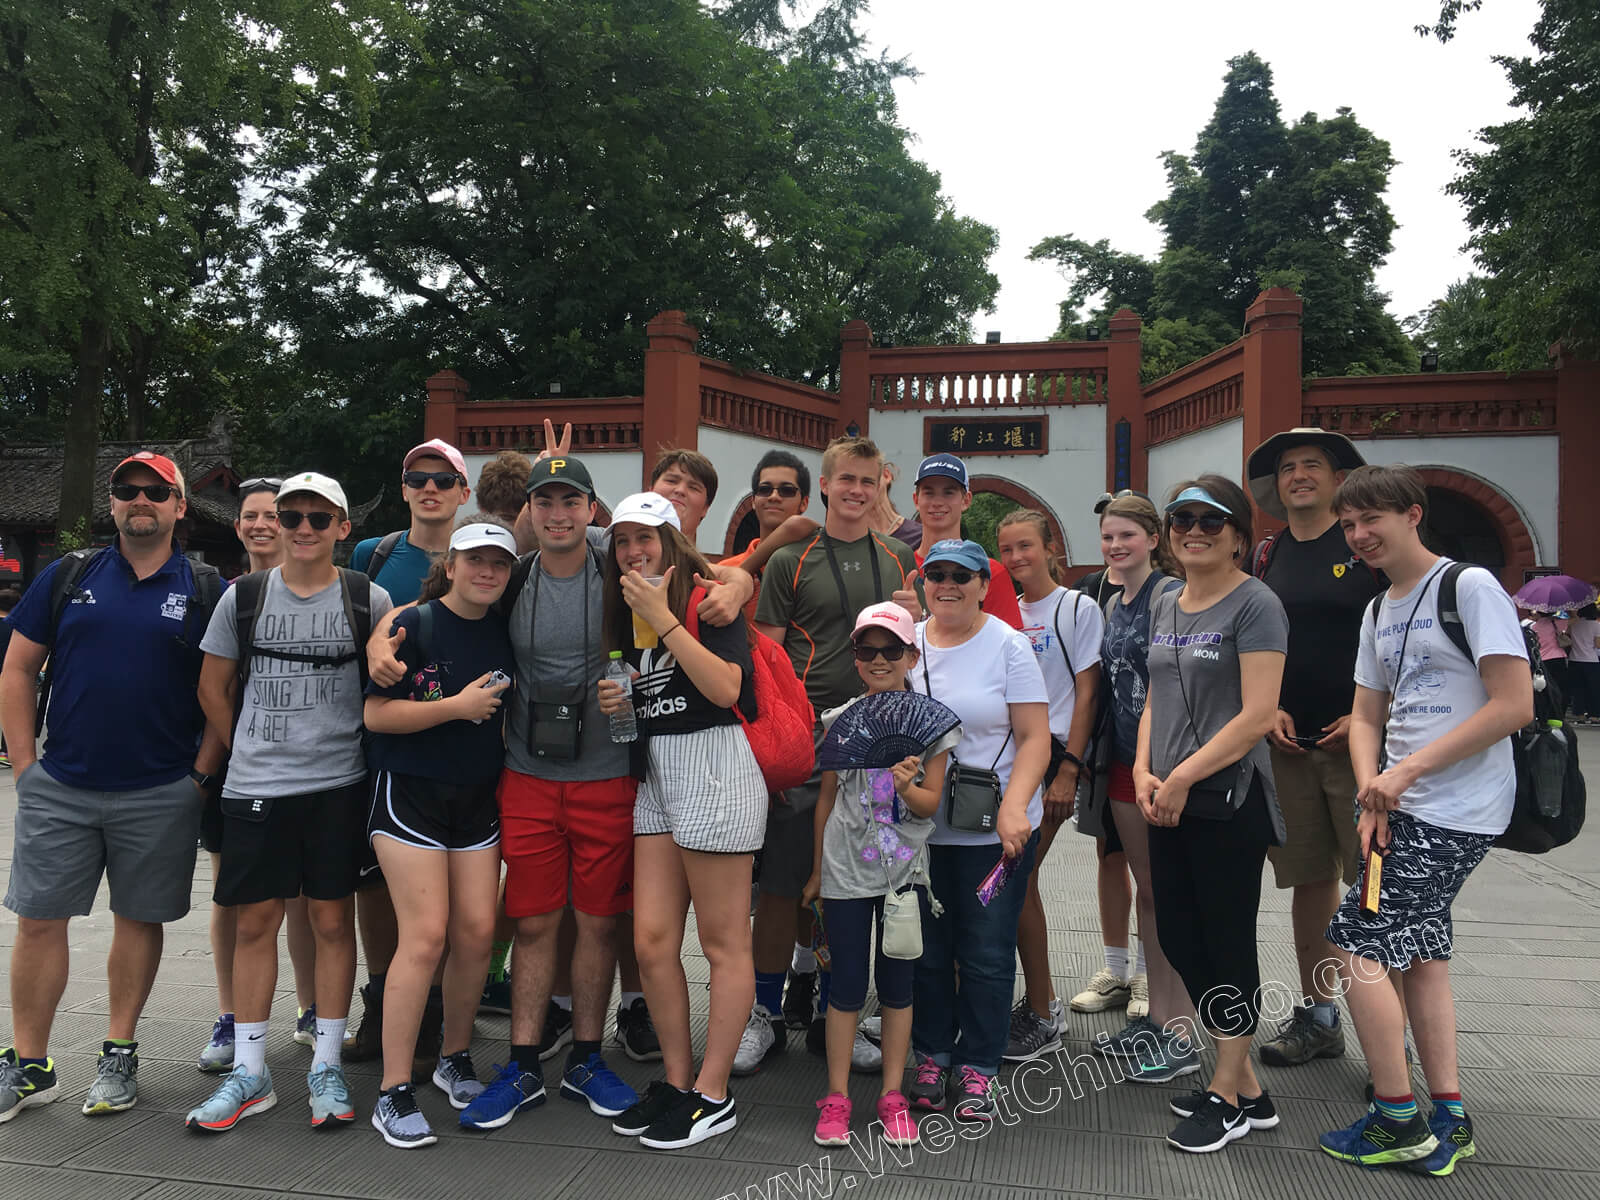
x,y
533,610
838,575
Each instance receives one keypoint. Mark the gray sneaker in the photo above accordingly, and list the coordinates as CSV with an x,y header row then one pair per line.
x,y
926,1089
1301,1039
457,1078
238,1096
114,1089
1032,1036
330,1097
1163,1065
25,1086
217,1057
1139,1034
400,1121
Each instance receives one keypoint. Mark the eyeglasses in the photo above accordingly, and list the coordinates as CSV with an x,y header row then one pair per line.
x,y
960,577
290,518
1211,523
787,490
443,480
261,483
158,493
1106,498
893,652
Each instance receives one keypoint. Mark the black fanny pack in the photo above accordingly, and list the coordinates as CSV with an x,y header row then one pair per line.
x,y
555,729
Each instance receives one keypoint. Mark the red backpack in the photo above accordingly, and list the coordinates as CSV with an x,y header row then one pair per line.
x,y
780,735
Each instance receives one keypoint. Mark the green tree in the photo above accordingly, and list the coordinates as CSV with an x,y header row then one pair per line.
x,y
1259,203
980,522
1466,327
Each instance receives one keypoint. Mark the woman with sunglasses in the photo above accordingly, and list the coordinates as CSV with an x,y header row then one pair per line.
x,y
1203,777
985,670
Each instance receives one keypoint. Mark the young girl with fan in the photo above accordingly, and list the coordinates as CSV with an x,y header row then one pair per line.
x,y
872,826
700,814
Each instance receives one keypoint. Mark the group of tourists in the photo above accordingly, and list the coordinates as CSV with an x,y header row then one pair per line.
x,y
510,750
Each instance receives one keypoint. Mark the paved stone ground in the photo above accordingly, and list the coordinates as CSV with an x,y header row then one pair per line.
x,y
1527,982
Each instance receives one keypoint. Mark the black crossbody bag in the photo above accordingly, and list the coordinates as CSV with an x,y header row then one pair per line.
x,y
1212,798
971,794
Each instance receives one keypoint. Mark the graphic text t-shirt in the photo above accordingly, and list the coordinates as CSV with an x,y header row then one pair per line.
x,y
1127,640
665,699
1082,629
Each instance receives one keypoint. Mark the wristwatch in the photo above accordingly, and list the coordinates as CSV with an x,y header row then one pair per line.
x,y
205,781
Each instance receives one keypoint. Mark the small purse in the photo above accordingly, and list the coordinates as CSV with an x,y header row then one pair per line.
x,y
901,936
971,794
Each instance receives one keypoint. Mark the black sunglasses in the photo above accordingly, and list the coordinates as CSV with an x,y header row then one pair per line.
x,y
261,483
443,480
290,518
158,493
960,577
1211,523
893,652
787,490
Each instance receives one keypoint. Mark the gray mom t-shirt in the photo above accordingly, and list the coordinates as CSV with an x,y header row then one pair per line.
x,y
554,664
300,727
1190,709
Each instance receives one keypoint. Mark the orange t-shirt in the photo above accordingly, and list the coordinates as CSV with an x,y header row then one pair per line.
x,y
737,560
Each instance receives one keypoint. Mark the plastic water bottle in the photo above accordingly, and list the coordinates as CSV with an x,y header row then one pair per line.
x,y
624,725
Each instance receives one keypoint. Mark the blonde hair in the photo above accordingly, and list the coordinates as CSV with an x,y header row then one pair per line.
x,y
1041,524
850,447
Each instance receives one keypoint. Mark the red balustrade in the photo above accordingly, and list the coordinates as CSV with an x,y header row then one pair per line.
x,y
1422,405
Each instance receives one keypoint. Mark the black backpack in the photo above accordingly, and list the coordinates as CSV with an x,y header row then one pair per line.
x,y
64,587
250,592
1551,796
381,553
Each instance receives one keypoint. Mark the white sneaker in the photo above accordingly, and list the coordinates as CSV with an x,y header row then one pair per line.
x,y
872,1028
1105,991
1138,997
757,1043
864,1056
1058,1014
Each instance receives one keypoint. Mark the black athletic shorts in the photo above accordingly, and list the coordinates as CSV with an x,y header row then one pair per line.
x,y
432,814
280,847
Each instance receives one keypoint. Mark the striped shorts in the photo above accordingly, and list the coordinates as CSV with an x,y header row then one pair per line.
x,y
705,789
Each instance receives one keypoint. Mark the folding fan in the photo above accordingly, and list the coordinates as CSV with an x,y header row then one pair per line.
x,y
881,729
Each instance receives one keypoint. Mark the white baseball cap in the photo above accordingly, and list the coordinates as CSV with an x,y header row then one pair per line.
x,y
646,508
315,484
483,533
890,617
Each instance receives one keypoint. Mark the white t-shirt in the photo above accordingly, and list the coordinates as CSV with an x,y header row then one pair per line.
x,y
979,679
1438,688
1583,633
1082,628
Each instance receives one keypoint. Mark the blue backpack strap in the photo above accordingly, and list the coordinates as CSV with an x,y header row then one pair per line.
x,y
63,587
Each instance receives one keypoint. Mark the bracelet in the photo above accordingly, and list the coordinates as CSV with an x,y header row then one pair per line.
x,y
676,625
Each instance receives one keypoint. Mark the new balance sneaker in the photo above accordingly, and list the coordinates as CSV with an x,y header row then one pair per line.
x,y
1162,1065
238,1096
1258,1110
636,1032
800,1001
974,1095
511,1090
865,1055
1032,1036
305,1026
1455,1143
899,1127
593,1083
1140,1035
1104,990
1138,996
217,1056
115,1087
557,1032
833,1120
367,1045
691,1120
1371,1092
1212,1125
1375,1142
1302,1039
496,998
25,1086
926,1089
397,1117
759,1041
457,1078
330,1097
659,1096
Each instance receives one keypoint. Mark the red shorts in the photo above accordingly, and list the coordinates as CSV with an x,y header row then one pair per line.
x,y
552,831
1119,786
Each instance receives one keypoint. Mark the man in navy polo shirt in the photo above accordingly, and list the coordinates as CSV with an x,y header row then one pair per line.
x,y
120,786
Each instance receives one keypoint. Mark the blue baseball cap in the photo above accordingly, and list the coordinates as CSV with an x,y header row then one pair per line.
x,y
962,553
947,465
1197,495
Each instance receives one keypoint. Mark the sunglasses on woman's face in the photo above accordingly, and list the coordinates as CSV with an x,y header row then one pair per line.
x,y
1211,523
958,577
158,493
290,518
893,652
443,480
787,490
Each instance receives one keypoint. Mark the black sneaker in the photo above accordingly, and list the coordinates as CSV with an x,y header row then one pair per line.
x,y
368,1043
557,1032
636,1032
1258,1110
800,1001
430,1040
1210,1127
817,1037
659,1096
691,1120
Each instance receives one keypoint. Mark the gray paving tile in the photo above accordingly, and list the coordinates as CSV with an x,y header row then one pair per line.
x,y
672,1177
1508,1140
204,1191
1560,993
1565,1023
1098,1163
62,1184
51,1135
371,1168
1531,1095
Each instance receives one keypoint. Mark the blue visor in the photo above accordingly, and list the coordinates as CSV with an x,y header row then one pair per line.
x,y
1198,495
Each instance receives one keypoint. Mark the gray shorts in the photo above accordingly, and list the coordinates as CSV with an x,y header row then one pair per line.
x,y
786,855
705,789
142,841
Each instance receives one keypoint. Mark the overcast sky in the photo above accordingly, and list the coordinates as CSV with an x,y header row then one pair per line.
x,y
1047,116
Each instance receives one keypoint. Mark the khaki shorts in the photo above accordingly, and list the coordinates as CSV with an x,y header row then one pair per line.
x,y
1317,792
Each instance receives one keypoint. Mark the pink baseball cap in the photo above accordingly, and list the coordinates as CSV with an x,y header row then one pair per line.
x,y
437,448
887,616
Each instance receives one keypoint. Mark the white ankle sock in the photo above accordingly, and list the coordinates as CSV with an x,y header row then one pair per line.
x,y
330,1041
1117,961
250,1046
804,961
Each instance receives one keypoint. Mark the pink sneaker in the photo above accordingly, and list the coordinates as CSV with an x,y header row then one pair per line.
x,y
898,1127
833,1120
